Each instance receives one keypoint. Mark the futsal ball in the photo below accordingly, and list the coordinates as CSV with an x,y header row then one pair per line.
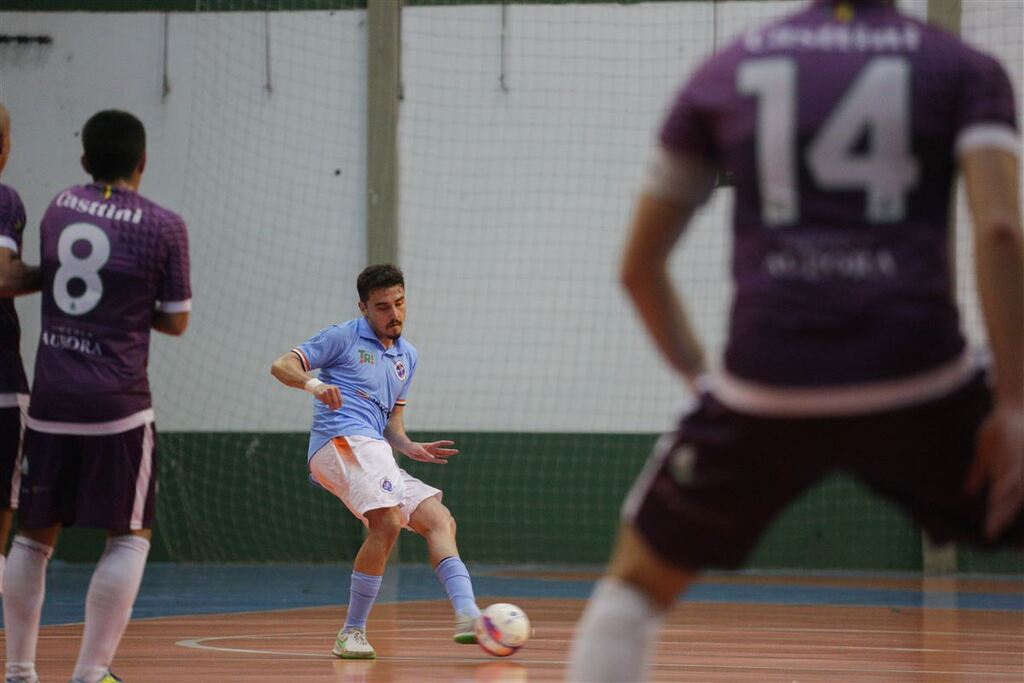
x,y
502,629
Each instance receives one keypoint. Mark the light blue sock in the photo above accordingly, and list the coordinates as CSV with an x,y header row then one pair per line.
x,y
361,595
454,577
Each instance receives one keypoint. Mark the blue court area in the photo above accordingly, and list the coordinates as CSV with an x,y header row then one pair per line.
x,y
186,589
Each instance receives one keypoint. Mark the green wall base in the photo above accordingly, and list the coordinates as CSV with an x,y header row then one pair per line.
x,y
517,498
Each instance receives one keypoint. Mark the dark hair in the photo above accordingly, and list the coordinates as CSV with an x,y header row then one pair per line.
x,y
378,276
114,142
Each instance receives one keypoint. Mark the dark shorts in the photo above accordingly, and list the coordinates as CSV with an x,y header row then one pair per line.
x,y
11,426
106,481
710,491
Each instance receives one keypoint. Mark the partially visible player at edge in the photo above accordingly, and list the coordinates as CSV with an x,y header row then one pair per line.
x,y
843,127
15,278
114,265
366,369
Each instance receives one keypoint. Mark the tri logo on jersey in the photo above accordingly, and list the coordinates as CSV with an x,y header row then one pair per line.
x,y
366,357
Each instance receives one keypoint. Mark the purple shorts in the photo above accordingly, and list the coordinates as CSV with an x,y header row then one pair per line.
x,y
710,491
106,481
11,425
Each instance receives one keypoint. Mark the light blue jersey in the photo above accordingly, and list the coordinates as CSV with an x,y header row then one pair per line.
x,y
372,380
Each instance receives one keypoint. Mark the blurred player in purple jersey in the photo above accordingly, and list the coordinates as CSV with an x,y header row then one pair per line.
x,y
843,127
15,278
114,265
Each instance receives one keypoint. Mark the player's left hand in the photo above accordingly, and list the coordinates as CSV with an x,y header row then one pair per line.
x,y
999,465
436,452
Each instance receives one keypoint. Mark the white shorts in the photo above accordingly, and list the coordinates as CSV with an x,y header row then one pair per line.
x,y
361,471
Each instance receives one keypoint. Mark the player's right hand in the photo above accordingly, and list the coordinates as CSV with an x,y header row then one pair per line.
x,y
999,466
329,395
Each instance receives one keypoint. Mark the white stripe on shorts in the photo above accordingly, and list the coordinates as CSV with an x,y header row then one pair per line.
x,y
16,474
142,481
14,399
638,491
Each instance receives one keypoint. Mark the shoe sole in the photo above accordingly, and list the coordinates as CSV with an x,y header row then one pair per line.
x,y
465,638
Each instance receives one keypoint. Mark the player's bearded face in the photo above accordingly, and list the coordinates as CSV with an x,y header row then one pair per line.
x,y
385,311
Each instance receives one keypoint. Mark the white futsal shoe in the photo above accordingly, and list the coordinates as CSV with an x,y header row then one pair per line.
x,y
465,633
108,677
351,643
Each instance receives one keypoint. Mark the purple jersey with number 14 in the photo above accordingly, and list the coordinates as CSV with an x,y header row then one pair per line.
x,y
841,134
110,259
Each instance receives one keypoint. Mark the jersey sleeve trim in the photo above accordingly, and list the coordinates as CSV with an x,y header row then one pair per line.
x,y
9,243
665,178
174,306
302,358
988,136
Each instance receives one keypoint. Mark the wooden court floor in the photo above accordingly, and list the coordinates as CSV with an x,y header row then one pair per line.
x,y
708,642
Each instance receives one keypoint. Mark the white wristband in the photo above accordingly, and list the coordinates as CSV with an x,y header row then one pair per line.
x,y
311,385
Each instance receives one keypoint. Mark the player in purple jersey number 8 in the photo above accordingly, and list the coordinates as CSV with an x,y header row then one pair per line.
x,y
95,470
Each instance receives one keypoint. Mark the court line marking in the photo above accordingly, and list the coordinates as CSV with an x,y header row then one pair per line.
x,y
199,644
853,631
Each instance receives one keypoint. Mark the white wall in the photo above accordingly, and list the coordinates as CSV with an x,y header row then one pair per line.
x,y
514,201
276,234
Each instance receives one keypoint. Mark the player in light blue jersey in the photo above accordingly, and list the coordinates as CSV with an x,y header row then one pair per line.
x,y
366,369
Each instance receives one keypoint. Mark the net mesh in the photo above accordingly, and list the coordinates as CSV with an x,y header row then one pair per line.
x,y
524,132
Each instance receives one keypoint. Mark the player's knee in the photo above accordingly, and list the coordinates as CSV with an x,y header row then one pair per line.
x,y
433,519
442,521
385,524
452,526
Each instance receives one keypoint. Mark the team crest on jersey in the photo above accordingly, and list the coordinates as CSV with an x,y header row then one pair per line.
x,y
366,357
401,371
19,225
386,484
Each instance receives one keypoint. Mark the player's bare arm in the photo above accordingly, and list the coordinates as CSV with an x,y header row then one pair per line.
x,y
436,452
677,187
16,277
288,370
992,180
173,324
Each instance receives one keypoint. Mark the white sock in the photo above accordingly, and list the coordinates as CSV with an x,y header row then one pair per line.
x,y
615,636
108,604
24,589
